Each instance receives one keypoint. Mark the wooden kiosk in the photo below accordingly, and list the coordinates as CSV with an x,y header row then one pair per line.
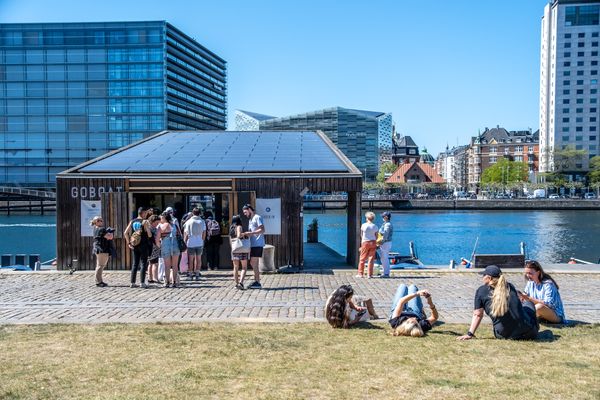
x,y
271,170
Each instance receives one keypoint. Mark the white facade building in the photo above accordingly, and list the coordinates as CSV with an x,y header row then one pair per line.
x,y
569,80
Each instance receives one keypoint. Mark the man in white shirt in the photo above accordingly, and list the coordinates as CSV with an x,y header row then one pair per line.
x,y
194,233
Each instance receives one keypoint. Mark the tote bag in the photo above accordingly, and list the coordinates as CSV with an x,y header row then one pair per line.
x,y
240,245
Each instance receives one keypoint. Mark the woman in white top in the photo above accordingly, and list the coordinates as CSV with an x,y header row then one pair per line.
x,y
368,246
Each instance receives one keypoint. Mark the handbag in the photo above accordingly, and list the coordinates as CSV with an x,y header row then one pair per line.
x,y
379,240
240,245
181,244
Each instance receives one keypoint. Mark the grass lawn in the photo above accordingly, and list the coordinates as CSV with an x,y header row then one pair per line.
x,y
273,361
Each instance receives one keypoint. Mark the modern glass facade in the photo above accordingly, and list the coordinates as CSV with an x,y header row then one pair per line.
x,y
365,137
71,92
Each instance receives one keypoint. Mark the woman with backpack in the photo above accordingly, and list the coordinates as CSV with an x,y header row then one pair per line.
x,y
236,231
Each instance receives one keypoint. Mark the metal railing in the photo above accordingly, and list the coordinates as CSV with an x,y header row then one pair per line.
x,y
28,192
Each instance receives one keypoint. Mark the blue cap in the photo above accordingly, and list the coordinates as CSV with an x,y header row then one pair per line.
x,y
386,214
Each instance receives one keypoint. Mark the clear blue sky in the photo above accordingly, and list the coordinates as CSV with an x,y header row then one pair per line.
x,y
445,69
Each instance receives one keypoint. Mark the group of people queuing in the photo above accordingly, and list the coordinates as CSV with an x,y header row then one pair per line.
x,y
158,241
515,314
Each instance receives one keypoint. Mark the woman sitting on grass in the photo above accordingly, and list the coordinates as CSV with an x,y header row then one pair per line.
x,y
542,291
499,300
407,316
342,312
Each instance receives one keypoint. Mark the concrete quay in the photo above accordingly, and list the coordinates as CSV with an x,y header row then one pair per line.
x,y
58,297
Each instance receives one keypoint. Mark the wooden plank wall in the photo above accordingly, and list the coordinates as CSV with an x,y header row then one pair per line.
x,y
69,193
116,212
289,245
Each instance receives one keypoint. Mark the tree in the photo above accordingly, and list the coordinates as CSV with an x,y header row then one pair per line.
x,y
505,171
594,173
385,168
566,160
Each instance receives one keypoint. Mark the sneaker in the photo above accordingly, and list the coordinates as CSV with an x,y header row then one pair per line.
x,y
133,285
358,276
370,276
144,286
239,286
198,277
102,284
167,284
384,276
255,285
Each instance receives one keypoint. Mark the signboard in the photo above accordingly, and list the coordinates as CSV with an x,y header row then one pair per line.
x,y
89,209
270,211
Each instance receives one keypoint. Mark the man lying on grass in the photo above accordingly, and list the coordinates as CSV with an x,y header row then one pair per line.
x,y
500,300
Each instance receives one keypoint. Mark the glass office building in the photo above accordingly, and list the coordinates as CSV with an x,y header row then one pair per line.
x,y
365,137
71,92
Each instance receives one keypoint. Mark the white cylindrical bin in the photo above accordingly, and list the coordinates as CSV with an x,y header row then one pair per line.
x,y
267,262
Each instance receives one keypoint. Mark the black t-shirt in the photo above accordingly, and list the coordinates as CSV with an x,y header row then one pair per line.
x,y
395,322
515,324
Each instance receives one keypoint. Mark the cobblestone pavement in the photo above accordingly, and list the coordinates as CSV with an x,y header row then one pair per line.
x,y
57,297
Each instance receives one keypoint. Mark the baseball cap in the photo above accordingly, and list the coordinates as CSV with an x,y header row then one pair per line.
x,y
386,214
492,270
169,209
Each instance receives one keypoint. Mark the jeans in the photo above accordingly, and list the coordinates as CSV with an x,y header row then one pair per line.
x,y
384,257
140,254
212,255
414,305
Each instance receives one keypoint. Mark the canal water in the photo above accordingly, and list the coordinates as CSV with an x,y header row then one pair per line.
x,y
439,236
550,236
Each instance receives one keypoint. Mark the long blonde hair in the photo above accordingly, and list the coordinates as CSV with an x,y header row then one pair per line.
x,y
499,296
409,328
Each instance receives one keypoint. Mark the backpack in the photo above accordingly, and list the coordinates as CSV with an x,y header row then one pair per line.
x,y
136,237
213,228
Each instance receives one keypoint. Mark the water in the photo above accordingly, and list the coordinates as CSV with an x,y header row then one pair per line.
x,y
550,236
439,236
26,234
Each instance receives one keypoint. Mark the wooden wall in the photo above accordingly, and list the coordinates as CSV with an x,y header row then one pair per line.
x,y
70,244
117,203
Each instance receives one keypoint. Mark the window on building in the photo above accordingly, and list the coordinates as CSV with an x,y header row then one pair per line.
x,y
567,73
565,138
493,160
594,54
567,45
566,83
580,44
566,101
565,120
565,129
592,119
580,81
566,91
594,34
567,36
565,110
580,54
580,63
579,110
593,91
567,54
579,101
579,119
567,64
594,44
582,15
579,73
579,129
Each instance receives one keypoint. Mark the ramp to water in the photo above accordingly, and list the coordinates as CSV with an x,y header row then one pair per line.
x,y
319,256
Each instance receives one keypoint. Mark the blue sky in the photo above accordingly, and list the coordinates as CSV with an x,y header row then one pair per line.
x,y
445,69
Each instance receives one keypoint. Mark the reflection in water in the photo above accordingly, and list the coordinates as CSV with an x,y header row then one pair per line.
x,y
550,236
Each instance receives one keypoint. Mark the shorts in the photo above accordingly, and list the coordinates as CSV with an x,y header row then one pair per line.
x,y
239,256
153,260
256,252
194,251
169,247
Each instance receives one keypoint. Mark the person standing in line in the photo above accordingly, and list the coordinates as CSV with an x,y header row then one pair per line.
x,y
137,236
368,246
213,241
103,247
194,234
237,232
256,232
499,300
169,250
154,220
387,231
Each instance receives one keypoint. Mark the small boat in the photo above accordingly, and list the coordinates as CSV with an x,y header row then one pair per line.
x,y
398,261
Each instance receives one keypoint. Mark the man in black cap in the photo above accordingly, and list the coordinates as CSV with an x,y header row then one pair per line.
x,y
500,301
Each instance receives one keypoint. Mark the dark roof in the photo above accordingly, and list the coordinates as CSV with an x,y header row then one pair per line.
x,y
222,152
257,116
373,114
406,141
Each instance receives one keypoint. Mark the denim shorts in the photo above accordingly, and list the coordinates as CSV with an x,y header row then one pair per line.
x,y
169,247
194,251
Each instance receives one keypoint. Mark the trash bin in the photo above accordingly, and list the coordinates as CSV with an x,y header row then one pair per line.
x,y
267,262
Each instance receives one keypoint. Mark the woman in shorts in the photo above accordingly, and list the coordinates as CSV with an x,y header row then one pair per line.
x,y
169,250
236,231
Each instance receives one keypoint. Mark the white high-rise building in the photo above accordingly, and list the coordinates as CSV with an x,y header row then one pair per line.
x,y
569,80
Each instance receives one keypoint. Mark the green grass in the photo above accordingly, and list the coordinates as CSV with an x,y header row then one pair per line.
x,y
273,361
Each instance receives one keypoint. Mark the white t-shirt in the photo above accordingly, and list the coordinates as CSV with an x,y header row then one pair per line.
x,y
194,227
368,231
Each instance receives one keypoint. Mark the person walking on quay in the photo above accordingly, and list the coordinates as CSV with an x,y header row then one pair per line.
x,y
342,309
238,256
103,247
499,299
386,231
154,220
256,232
407,316
213,241
368,246
137,236
194,233
169,249
542,291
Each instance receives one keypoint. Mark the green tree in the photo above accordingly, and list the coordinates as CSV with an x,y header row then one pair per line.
x,y
594,173
504,172
566,160
385,168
